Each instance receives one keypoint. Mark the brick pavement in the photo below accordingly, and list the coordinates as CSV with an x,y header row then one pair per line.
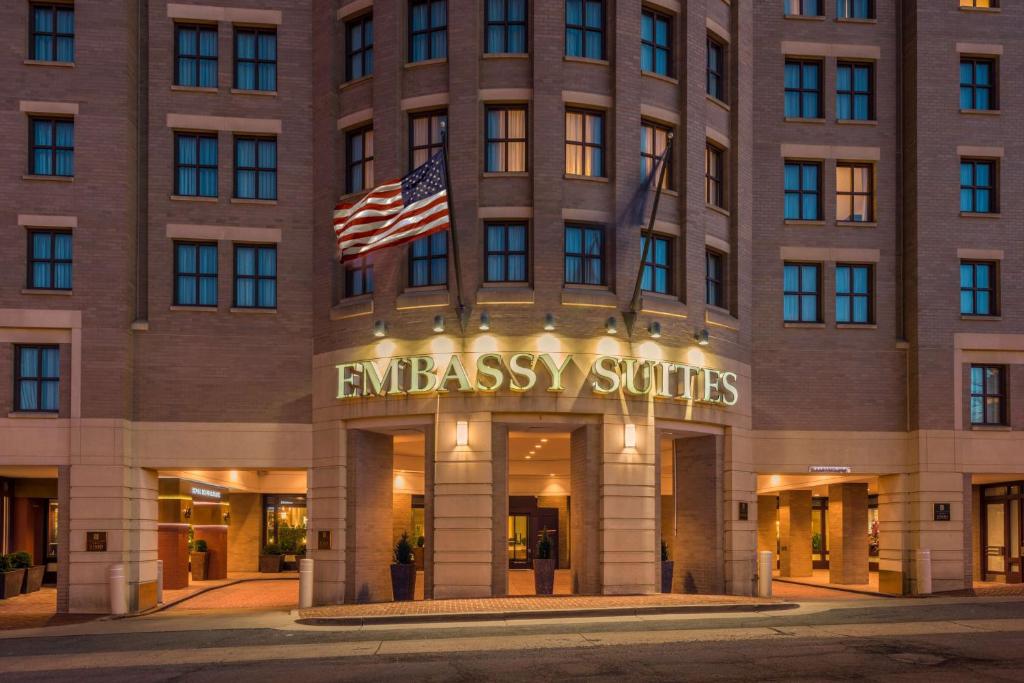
x,y
36,610
264,594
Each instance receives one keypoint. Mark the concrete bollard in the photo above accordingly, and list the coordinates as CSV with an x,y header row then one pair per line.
x,y
118,590
923,573
305,583
765,566
159,582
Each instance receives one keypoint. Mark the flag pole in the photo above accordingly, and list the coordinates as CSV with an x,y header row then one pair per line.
x,y
460,306
629,317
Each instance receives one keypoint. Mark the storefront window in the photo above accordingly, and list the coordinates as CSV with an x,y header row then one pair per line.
x,y
284,522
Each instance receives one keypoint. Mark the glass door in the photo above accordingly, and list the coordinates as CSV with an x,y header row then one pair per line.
x,y
996,549
518,541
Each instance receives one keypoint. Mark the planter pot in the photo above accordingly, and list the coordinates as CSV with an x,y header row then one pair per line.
x,y
198,561
666,576
10,583
271,564
403,581
418,554
544,576
33,578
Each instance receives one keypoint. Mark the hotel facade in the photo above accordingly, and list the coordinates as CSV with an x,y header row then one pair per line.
x,y
826,355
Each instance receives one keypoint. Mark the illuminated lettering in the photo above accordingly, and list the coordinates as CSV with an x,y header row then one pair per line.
x,y
710,385
526,372
555,370
609,375
629,377
454,371
373,383
489,365
730,396
422,379
348,382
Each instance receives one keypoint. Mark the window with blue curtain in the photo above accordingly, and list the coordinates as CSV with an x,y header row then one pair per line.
x,y
584,255
256,168
195,55
359,47
584,28
428,30
359,277
506,27
714,265
506,254
255,276
801,283
854,100
49,259
37,379
977,83
657,276
584,143
988,395
855,9
359,160
803,89
195,165
977,186
53,32
53,147
978,288
853,294
256,59
802,8
195,274
656,42
428,261
802,181
716,69
506,139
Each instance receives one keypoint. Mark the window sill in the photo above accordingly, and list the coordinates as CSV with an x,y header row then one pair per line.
x,y
856,224
253,310
977,214
981,318
48,62
717,209
140,326
804,17
857,122
53,292
663,304
981,112
595,296
800,119
506,55
505,293
193,88
49,178
259,202
660,77
352,307
196,309
804,326
991,428
590,178
189,198
425,62
435,296
585,60
799,223
505,174
33,415
720,317
720,103
855,20
355,81
856,326
258,93
981,9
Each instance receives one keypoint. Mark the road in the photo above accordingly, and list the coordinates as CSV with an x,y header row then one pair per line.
x,y
934,639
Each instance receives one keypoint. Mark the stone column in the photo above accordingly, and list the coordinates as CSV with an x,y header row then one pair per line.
x,y
848,533
740,490
368,548
767,524
893,537
951,558
428,512
699,540
795,533
327,508
244,533
63,540
499,504
584,514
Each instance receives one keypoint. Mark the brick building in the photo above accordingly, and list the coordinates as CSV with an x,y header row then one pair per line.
x,y
186,359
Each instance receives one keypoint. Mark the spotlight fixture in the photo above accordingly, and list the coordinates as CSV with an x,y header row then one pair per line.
x,y
655,329
543,440
611,325
380,329
702,337
462,433
439,323
629,435
532,452
549,322
485,322
529,457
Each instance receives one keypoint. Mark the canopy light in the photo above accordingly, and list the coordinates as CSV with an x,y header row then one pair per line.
x,y
702,338
485,322
549,322
655,329
380,329
438,323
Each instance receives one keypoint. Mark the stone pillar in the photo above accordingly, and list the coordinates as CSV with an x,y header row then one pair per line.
x,y
698,548
767,524
172,542
63,540
584,515
795,533
463,509
245,541
368,550
739,481
327,509
951,558
893,537
848,533
499,505
428,512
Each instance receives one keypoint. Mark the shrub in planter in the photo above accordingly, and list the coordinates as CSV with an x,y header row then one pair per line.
x,y
271,559
199,558
403,571
33,574
666,569
11,578
544,566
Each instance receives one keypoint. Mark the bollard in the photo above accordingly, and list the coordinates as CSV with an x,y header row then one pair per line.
x,y
305,583
159,582
118,601
765,566
923,572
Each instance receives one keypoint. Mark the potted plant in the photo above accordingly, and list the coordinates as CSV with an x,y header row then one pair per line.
x,y
271,559
418,552
403,571
33,574
666,569
544,566
198,558
11,578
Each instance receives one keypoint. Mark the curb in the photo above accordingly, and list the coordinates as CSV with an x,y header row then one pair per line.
x,y
854,591
456,617
167,605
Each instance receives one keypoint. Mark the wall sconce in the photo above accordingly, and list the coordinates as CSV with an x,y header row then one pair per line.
x,y
380,329
549,322
611,325
188,513
227,518
629,435
461,433
485,321
438,323
655,329
702,338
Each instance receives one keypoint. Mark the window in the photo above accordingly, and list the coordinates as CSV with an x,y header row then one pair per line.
x,y
584,28
37,379
256,168
195,274
854,193
803,89
979,3
359,48
584,255
653,141
714,263
655,42
977,186
803,191
988,395
428,261
49,259
800,287
506,140
425,136
855,9
714,176
854,100
359,277
584,143
978,288
977,83
507,255
53,147
506,27
195,165
428,30
255,276
657,276
195,56
802,8
256,59
853,294
53,33
359,160
716,69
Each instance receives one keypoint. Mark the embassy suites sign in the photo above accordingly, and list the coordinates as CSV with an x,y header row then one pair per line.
x,y
521,372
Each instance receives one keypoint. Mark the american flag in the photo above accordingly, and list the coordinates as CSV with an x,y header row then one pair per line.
x,y
397,212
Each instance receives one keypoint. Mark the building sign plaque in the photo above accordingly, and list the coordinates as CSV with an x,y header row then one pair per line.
x,y
829,469
323,539
943,512
205,493
96,541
